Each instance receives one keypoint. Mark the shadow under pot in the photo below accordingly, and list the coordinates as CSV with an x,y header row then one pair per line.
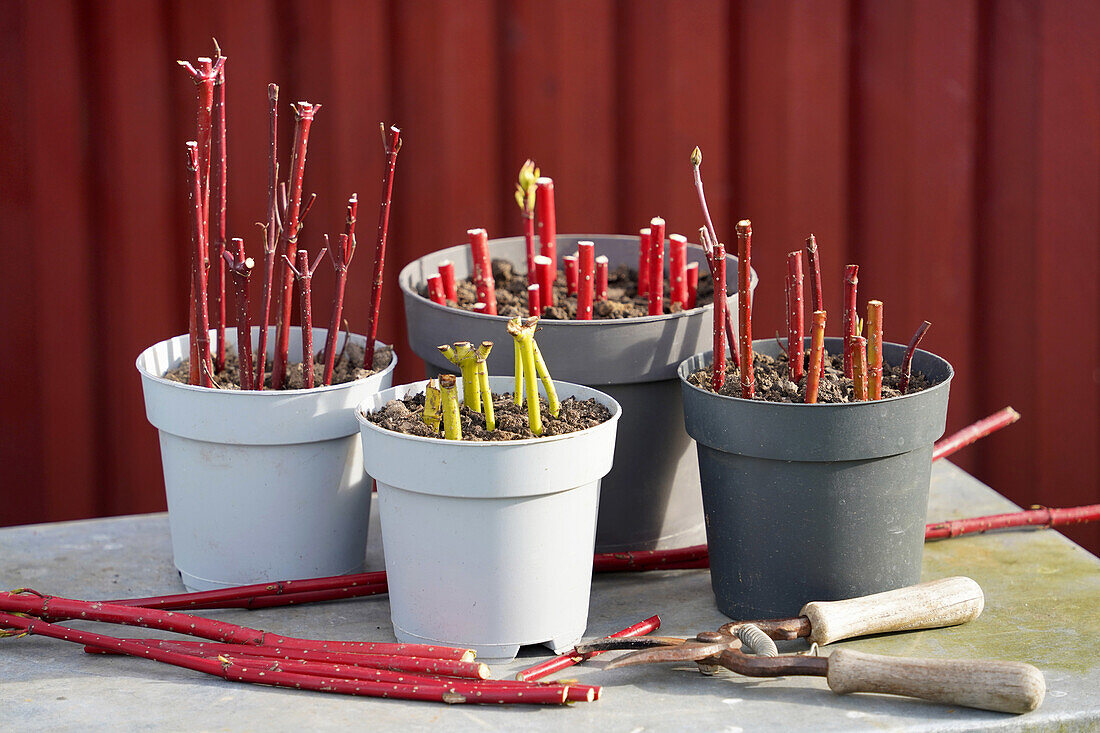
x,y
261,485
814,502
650,499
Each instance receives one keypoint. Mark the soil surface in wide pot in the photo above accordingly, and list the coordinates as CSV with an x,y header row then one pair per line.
x,y
406,416
774,385
622,301
347,368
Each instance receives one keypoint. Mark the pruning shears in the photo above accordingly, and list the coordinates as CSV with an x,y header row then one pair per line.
x,y
748,648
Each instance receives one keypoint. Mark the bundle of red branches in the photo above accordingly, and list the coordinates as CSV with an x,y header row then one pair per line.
x,y
586,274
242,654
285,259
863,362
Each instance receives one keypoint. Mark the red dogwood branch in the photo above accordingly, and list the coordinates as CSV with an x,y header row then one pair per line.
x,y
816,300
817,351
716,253
572,268
907,363
564,661
586,276
795,325
447,275
874,349
544,271
851,282
744,302
859,367
601,277
547,226
483,270
271,230
240,267
341,259
304,273
303,114
218,188
1035,517
692,283
971,433
656,266
200,334
731,332
392,145
677,269
436,291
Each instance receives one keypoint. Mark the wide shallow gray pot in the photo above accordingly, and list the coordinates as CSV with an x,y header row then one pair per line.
x,y
651,497
814,502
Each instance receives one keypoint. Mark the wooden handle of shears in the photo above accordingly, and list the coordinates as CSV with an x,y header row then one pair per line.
x,y
946,602
1007,687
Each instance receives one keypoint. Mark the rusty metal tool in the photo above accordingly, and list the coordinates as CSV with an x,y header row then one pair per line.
x,y
747,648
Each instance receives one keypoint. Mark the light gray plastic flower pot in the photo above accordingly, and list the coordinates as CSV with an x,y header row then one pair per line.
x,y
650,499
814,502
261,486
489,544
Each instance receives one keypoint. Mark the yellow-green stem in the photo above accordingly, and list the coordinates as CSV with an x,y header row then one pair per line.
x,y
465,357
433,403
547,382
530,383
518,396
524,333
452,428
483,383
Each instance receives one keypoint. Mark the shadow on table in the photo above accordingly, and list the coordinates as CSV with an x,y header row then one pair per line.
x,y
811,693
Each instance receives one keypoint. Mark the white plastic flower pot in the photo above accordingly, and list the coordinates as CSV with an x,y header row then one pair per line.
x,y
261,486
489,544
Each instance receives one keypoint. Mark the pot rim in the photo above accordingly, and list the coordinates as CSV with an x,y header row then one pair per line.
x,y
817,405
607,401
266,393
405,284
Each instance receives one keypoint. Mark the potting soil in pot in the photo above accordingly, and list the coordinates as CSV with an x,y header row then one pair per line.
x,y
622,301
405,416
346,369
773,384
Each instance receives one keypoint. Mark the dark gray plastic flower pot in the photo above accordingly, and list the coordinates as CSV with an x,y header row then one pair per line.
x,y
651,497
814,502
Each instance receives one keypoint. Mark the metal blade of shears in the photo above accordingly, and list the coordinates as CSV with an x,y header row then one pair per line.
x,y
686,652
622,643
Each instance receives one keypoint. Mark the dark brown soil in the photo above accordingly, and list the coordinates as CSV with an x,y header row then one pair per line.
x,y
345,369
773,384
622,295
404,416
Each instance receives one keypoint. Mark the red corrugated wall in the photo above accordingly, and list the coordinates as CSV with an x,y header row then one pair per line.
x,y
951,148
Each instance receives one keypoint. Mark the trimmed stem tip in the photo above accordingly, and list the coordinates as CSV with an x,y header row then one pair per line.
x,y
744,304
874,349
433,406
523,333
452,426
463,355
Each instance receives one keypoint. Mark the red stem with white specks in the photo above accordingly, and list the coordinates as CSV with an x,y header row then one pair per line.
x,y
393,146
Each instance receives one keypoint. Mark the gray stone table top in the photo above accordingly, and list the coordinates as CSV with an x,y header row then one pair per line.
x,y
1042,606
